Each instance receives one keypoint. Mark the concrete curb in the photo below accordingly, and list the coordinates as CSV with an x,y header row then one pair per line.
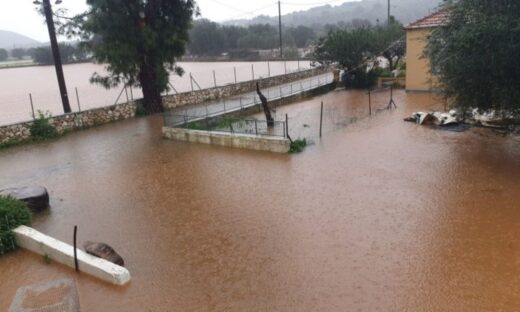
x,y
30,239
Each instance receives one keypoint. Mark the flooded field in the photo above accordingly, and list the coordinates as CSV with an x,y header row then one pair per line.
x,y
41,83
378,215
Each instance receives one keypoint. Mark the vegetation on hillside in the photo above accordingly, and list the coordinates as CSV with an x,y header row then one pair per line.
x,y
475,55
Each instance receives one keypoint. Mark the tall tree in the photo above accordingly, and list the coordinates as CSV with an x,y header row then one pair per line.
x,y
140,40
475,54
18,53
390,42
3,55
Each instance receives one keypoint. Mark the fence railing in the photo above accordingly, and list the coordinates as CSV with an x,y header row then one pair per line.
x,y
228,124
19,105
248,100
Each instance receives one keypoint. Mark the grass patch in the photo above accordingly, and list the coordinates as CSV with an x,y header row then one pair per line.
x,y
13,213
297,146
41,129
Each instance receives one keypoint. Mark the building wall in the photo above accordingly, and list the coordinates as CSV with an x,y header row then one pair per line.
x,y
418,77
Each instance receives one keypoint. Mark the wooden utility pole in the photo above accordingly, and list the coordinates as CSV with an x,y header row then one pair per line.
x,y
56,55
388,17
280,28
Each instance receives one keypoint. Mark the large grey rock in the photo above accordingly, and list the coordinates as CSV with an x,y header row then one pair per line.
x,y
104,251
36,197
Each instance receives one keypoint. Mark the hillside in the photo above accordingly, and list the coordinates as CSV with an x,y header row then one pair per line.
x,y
405,11
10,40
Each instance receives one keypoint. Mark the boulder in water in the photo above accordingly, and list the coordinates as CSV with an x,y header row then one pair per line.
x,y
104,251
36,197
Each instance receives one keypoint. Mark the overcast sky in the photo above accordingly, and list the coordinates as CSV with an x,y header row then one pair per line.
x,y
19,15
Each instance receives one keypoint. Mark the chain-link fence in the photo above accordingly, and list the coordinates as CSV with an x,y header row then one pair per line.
x,y
315,118
29,90
245,101
236,125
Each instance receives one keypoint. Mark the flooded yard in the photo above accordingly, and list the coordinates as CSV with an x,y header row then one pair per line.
x,y
378,215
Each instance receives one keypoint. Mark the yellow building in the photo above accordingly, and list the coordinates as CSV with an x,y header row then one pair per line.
x,y
418,77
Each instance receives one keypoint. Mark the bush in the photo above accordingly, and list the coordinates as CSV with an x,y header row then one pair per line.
x,y
13,213
360,79
297,146
41,129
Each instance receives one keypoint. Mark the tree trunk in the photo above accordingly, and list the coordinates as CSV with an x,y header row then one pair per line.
x,y
152,99
267,111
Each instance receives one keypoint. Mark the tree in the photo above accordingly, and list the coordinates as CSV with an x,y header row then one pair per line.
x,y
139,40
18,53
302,35
475,54
351,50
206,38
43,56
3,55
390,42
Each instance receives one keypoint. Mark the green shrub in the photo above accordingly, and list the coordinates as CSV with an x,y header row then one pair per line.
x,y
140,111
41,129
13,213
297,146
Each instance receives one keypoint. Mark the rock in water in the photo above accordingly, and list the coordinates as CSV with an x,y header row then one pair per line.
x,y
104,251
36,197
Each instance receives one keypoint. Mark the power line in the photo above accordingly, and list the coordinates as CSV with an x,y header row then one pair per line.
x,y
312,3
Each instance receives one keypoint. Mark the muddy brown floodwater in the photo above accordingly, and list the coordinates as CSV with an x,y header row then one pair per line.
x,y
378,215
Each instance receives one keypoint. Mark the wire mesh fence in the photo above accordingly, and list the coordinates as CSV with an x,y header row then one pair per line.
x,y
244,101
313,119
235,125
29,90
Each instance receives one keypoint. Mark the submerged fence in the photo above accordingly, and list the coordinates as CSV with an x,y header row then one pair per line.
x,y
236,125
206,110
346,108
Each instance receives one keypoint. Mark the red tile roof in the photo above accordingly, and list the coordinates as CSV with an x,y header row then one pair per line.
x,y
436,19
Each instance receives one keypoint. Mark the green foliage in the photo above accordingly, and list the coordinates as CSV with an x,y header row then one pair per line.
x,y
140,111
297,146
13,213
3,55
69,54
211,39
41,129
355,49
18,53
475,55
140,41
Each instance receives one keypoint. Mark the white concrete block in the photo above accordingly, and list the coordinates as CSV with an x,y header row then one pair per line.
x,y
30,239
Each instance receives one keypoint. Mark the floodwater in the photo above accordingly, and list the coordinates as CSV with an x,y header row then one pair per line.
x,y
41,83
379,215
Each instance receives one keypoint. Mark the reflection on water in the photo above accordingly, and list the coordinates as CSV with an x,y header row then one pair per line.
x,y
379,215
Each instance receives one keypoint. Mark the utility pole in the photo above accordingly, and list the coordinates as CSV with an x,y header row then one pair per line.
x,y
388,18
57,57
280,28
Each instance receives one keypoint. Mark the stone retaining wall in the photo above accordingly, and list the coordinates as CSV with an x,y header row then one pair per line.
x,y
244,141
70,122
196,97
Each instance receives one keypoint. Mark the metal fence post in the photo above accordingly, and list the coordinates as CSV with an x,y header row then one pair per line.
x,y
253,70
321,118
285,66
235,72
224,105
77,98
369,103
191,82
32,106
298,64
75,249
215,78
268,69
256,127
287,125
240,102
126,92
206,110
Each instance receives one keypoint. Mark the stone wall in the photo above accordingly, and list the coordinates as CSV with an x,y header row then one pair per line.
x,y
196,97
70,122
